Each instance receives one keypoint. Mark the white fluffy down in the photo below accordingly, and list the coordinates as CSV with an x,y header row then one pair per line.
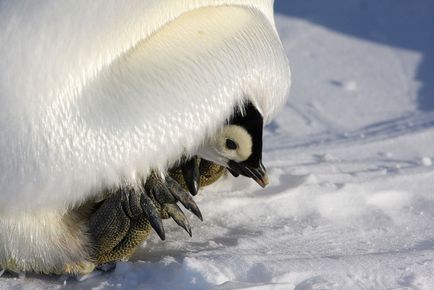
x,y
97,93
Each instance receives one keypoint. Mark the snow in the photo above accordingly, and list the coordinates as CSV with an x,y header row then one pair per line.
x,y
350,203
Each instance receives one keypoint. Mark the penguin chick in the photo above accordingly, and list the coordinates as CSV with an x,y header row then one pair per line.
x,y
238,146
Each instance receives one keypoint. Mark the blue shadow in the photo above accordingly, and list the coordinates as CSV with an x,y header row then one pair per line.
x,y
407,24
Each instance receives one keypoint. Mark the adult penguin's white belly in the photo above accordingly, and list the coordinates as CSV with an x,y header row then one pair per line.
x,y
97,93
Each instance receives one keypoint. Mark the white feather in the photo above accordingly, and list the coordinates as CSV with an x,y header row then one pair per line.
x,y
90,97
43,242
97,93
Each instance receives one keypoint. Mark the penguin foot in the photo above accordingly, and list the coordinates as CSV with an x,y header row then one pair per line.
x,y
120,223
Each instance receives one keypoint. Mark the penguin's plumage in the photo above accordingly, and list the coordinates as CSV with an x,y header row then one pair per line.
x,y
95,94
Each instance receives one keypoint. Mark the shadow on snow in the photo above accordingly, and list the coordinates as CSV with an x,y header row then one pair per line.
x,y
398,23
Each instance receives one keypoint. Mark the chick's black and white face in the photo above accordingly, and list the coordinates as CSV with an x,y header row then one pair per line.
x,y
234,143
238,141
238,146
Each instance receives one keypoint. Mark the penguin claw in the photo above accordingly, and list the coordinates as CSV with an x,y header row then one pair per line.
x,y
153,216
136,203
178,216
181,195
167,192
191,174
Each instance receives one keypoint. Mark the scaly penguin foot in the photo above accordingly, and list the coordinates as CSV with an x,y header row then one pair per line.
x,y
120,223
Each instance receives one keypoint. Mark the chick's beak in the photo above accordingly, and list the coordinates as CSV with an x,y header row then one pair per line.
x,y
259,174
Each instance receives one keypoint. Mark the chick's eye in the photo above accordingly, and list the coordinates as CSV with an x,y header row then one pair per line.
x,y
230,144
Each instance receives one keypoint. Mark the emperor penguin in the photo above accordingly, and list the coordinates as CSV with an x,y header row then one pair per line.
x,y
103,94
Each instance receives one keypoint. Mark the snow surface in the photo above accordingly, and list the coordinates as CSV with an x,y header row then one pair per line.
x,y
350,158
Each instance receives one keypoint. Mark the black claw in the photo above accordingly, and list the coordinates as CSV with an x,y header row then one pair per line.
x,y
158,188
178,216
190,172
234,174
181,195
153,216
